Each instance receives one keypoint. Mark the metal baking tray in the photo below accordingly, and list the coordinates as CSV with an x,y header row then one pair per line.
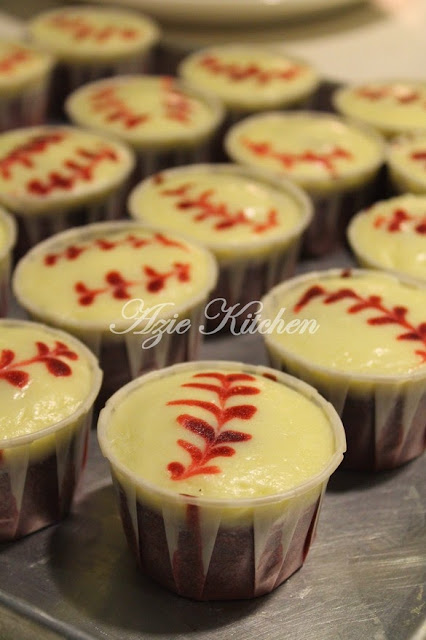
x,y
364,578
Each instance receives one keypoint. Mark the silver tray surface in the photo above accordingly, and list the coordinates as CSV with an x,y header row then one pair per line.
x,y
364,578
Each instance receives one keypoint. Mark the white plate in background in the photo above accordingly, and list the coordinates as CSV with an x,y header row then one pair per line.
x,y
230,12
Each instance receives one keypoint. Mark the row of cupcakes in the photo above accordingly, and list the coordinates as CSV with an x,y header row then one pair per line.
x,y
89,43
185,499
54,177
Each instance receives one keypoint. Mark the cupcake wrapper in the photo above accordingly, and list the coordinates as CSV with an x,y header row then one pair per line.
x,y
67,77
151,162
27,109
247,281
199,553
36,227
122,358
332,214
4,285
38,480
385,424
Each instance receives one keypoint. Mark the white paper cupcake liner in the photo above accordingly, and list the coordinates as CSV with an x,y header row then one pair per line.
x,y
28,108
33,228
39,472
384,418
220,549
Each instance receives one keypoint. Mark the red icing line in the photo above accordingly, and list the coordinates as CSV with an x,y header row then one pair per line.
x,y
23,154
11,371
216,441
175,104
118,287
289,160
396,222
81,29
202,208
77,171
252,71
396,315
379,93
115,109
9,63
419,156
73,252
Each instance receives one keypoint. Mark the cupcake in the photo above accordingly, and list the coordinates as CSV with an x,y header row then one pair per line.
x,y
359,337
53,177
135,295
227,507
407,164
392,107
249,78
391,235
93,42
165,122
333,160
24,82
251,223
7,242
48,383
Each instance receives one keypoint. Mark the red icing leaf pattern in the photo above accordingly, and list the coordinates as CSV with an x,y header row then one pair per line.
x,y
23,154
73,252
13,373
203,208
70,171
395,315
400,220
401,95
9,63
216,441
115,109
237,72
419,156
176,105
118,287
81,29
289,160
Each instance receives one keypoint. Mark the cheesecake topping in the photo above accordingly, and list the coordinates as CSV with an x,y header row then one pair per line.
x,y
236,72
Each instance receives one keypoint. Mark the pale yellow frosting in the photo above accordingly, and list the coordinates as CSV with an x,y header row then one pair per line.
x,y
288,438
407,163
391,107
42,168
41,399
74,264
392,235
352,342
318,152
221,206
145,111
21,66
93,34
250,78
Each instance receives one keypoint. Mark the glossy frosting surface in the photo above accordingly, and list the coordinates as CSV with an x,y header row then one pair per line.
x,y
310,150
249,77
368,324
88,34
92,276
43,166
223,434
407,157
20,65
391,107
42,379
392,233
216,207
142,110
